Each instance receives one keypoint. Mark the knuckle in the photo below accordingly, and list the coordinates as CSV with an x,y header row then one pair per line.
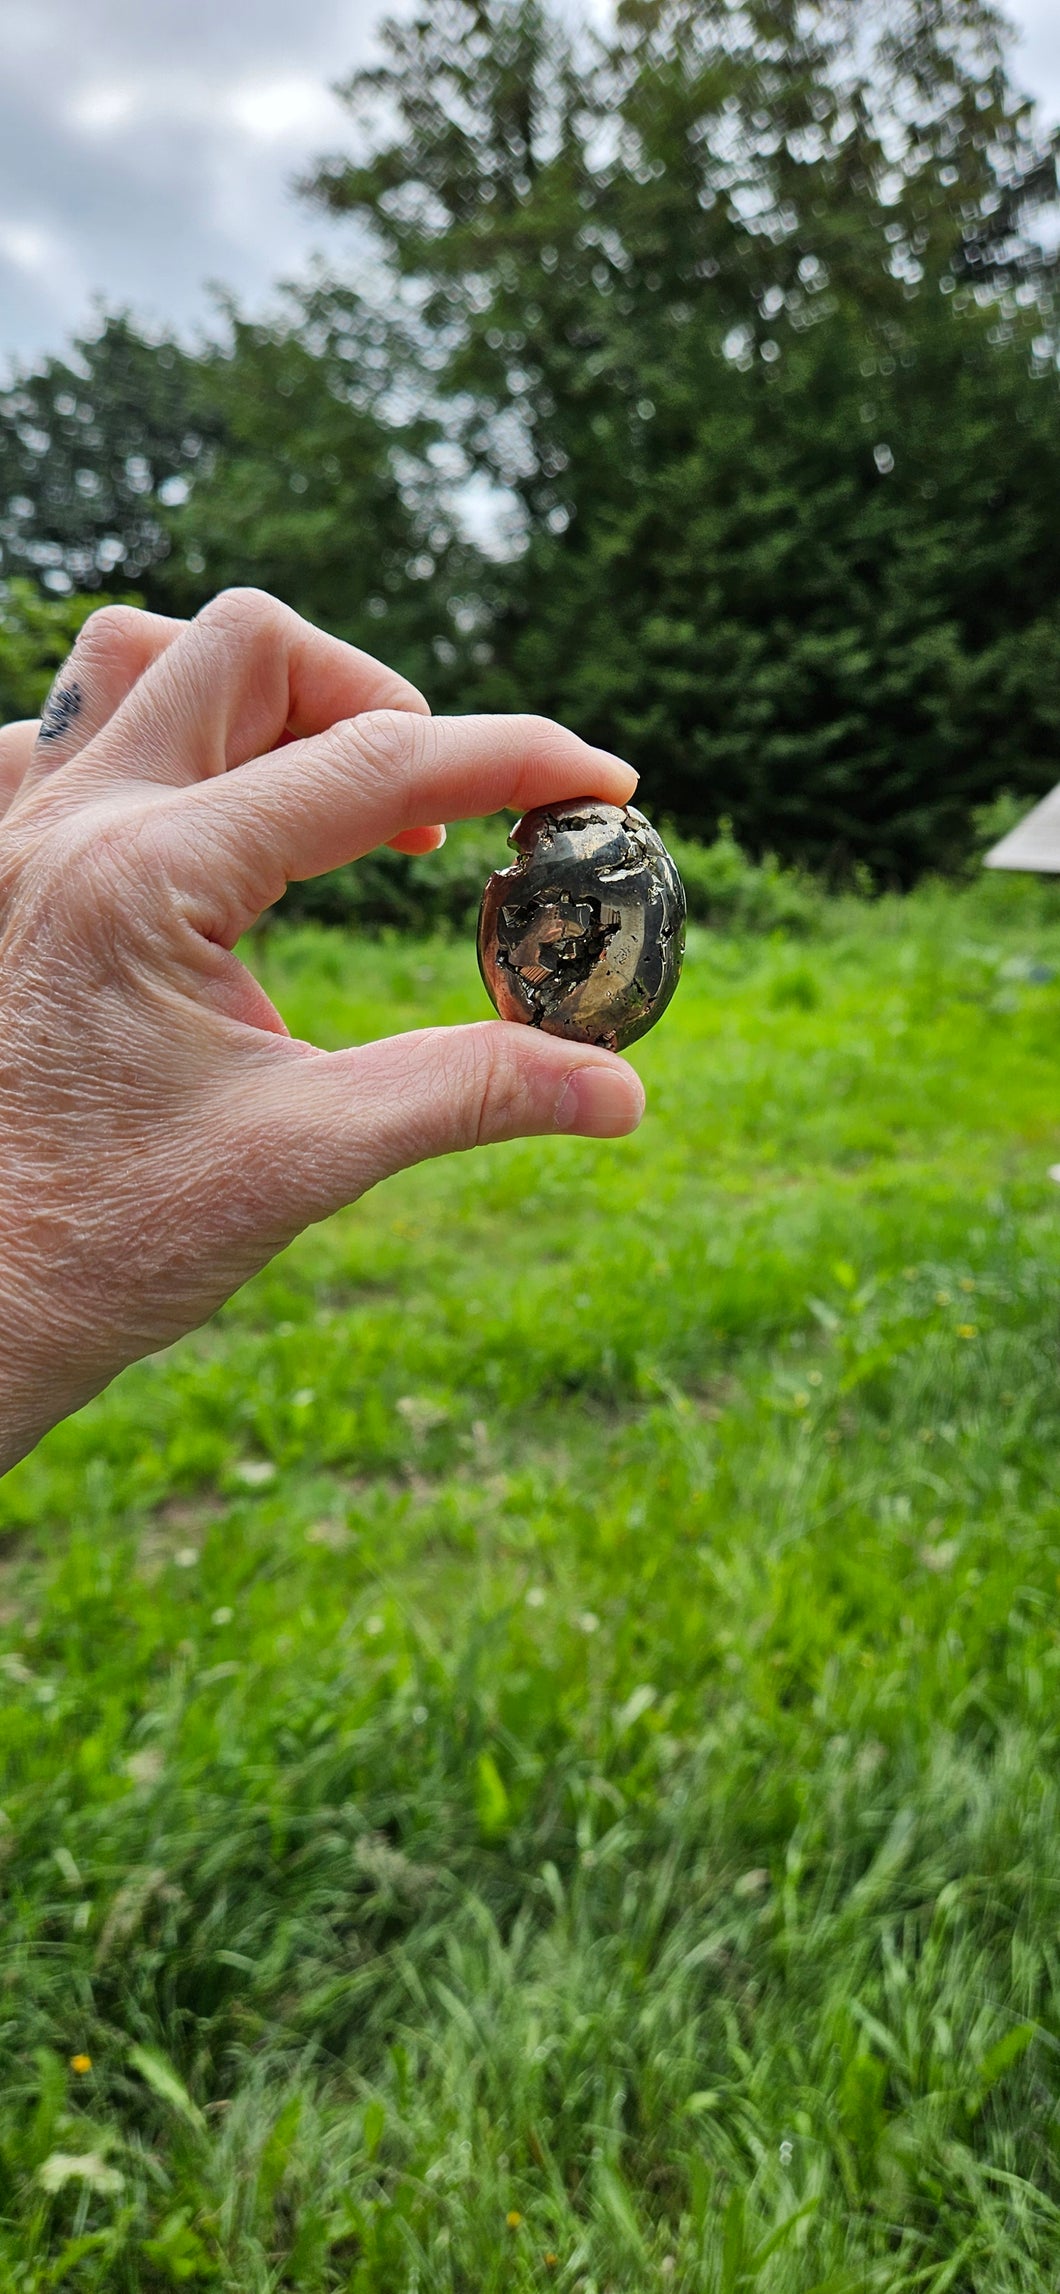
x,y
13,863
391,740
494,1092
247,613
543,732
102,860
107,632
75,882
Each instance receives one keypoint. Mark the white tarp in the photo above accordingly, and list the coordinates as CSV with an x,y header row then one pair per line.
x,y
1035,843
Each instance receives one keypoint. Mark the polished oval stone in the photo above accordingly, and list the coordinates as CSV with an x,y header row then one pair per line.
x,y
584,935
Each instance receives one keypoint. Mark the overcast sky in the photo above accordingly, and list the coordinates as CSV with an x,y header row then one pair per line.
x,y
148,146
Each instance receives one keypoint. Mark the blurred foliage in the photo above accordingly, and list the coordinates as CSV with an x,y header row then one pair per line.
x,y
406,893
441,891
311,494
36,634
726,888
260,460
748,315
90,448
746,324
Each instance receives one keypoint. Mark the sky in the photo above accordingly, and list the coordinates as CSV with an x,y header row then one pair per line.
x,y
148,149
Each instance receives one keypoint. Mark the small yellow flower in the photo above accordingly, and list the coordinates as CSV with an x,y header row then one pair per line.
x,y
513,2219
81,2064
942,1298
967,1283
967,1330
551,2261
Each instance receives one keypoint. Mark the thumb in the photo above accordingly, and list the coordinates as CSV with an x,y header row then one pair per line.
x,y
336,1122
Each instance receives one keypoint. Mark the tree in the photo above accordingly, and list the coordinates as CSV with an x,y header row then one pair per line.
x,y
309,491
264,458
830,617
92,447
751,322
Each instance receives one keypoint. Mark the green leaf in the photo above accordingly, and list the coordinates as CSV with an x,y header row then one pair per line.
x,y
277,2149
999,2059
615,2201
778,2236
166,2083
179,2251
491,1799
733,2243
373,2127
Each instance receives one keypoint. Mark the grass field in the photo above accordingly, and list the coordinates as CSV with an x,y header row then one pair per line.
x,y
530,1747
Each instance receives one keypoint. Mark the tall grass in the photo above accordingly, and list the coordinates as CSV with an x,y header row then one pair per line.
x,y
530,1746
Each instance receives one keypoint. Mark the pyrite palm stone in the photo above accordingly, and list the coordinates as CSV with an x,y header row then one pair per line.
x,y
584,935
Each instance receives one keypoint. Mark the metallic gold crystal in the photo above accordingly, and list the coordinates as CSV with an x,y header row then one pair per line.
x,y
584,935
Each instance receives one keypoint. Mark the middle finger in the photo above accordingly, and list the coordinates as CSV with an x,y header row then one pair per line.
x,y
241,678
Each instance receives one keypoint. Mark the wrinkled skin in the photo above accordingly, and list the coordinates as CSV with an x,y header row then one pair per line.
x,y
161,1135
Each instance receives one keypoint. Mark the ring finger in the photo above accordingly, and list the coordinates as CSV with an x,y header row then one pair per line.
x,y
111,653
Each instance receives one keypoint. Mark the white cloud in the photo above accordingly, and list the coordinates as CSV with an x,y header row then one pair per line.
x,y
27,246
290,108
160,151
103,106
1037,53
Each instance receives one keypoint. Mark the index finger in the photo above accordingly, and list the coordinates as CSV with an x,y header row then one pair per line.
x,y
239,840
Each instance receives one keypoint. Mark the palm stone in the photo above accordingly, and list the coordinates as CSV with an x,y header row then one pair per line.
x,y
584,935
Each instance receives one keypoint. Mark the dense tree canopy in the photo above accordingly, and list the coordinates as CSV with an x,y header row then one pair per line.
x,y
743,315
262,458
312,494
750,318
91,448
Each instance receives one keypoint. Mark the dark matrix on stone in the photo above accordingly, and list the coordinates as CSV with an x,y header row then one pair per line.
x,y
584,935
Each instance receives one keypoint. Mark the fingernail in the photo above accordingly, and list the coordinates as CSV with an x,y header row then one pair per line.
x,y
599,1102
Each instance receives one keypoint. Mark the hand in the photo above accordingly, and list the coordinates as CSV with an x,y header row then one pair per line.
x,y
161,1135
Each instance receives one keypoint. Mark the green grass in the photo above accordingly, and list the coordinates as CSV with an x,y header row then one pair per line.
x,y
530,1746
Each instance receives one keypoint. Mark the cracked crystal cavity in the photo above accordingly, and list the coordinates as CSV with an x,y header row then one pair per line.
x,y
584,935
